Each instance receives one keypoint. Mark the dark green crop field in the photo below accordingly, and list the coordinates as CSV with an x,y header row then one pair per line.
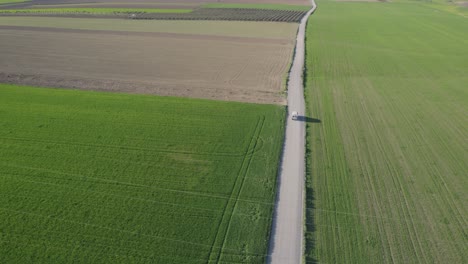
x,y
88,177
387,165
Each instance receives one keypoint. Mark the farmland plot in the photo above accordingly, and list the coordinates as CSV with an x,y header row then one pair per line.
x,y
244,66
232,13
81,10
387,162
51,2
220,14
114,178
205,28
5,2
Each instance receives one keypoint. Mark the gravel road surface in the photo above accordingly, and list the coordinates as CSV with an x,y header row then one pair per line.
x,y
286,244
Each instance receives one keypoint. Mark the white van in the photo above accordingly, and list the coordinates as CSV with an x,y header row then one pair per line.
x,y
294,115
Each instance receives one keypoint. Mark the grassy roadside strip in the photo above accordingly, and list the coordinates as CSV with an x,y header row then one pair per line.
x,y
95,10
259,6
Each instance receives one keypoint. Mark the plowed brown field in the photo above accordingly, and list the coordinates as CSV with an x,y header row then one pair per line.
x,y
195,65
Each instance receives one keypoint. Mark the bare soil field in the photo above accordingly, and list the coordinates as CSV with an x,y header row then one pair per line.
x,y
219,28
201,66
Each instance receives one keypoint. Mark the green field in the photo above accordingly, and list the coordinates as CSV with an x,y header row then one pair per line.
x,y
11,1
93,10
259,6
89,177
387,164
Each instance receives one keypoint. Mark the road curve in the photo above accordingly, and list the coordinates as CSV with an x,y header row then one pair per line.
x,y
287,235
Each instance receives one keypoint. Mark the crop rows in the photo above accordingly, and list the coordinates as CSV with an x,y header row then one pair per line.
x,y
92,10
118,178
233,14
387,165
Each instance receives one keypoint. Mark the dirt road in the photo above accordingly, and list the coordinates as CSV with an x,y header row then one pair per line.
x,y
286,243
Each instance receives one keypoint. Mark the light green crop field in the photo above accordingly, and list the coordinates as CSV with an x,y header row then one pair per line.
x,y
90,177
11,1
92,10
259,6
387,164
129,4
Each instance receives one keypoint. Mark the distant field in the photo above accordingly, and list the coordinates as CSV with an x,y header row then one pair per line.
x,y
232,14
259,6
276,10
235,61
292,15
387,171
115,178
306,5
211,28
265,4
289,2
94,10
129,4
11,1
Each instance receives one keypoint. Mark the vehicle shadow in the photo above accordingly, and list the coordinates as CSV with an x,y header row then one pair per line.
x,y
308,119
